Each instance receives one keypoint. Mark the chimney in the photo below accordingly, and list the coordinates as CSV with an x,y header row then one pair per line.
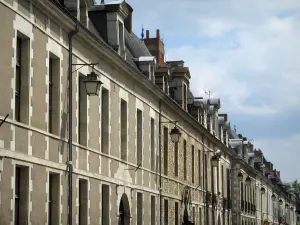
x,y
158,34
156,47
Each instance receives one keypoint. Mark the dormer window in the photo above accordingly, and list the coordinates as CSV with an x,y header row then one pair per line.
x,y
147,65
121,40
108,18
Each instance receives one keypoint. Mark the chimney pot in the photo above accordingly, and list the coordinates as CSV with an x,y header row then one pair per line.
x,y
157,34
147,34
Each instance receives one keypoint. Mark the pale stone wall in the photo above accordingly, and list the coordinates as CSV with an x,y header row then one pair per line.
x,y
32,146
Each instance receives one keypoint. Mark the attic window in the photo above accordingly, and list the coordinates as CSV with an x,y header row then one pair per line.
x,y
121,39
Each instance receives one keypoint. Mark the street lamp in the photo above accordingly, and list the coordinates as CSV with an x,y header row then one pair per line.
x,y
175,135
240,176
248,180
273,197
92,84
214,161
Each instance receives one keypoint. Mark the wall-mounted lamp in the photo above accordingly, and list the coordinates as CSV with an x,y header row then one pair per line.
x,y
280,201
175,134
240,176
273,197
263,190
214,160
248,180
92,84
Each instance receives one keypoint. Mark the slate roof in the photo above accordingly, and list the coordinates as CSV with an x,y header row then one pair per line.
x,y
136,46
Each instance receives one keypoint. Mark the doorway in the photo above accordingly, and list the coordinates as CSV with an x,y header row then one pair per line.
x,y
124,211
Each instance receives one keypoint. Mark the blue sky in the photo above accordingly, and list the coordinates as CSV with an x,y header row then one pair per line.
x,y
247,54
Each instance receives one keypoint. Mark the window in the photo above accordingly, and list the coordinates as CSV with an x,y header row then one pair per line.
x,y
53,96
153,210
18,81
194,215
50,96
82,111
83,202
200,216
17,195
123,130
152,145
205,170
176,214
104,120
193,164
166,212
184,160
139,209
139,136
166,148
21,194
176,159
53,199
22,80
184,97
105,205
222,179
199,168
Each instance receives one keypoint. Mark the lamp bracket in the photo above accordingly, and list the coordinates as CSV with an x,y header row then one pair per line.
x,y
1,123
170,121
135,169
84,64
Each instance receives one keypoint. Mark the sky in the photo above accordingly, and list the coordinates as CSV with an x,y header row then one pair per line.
x,y
247,54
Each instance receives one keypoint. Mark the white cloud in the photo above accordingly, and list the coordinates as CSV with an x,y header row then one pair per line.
x,y
282,153
264,65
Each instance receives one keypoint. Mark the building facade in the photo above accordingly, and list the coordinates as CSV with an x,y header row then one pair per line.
x,y
126,169
259,196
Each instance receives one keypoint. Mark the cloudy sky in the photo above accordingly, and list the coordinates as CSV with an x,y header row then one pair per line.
x,y
245,52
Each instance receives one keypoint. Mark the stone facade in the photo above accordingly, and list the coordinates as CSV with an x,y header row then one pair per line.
x,y
34,160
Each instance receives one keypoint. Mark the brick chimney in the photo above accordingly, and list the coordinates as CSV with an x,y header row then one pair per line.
x,y
156,47
225,117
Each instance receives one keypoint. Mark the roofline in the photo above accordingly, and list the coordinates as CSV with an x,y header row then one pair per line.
x,y
122,64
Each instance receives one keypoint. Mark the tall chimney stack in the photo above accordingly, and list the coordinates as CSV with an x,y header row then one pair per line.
x,y
147,34
158,34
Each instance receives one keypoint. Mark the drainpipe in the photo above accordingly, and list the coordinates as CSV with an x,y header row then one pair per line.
x,y
205,182
70,115
160,178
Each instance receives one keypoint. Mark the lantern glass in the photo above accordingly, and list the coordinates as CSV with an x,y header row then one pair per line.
x,y
92,84
240,176
175,135
273,197
248,180
214,161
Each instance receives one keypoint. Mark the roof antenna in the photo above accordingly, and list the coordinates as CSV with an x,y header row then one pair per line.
x,y
102,2
142,34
